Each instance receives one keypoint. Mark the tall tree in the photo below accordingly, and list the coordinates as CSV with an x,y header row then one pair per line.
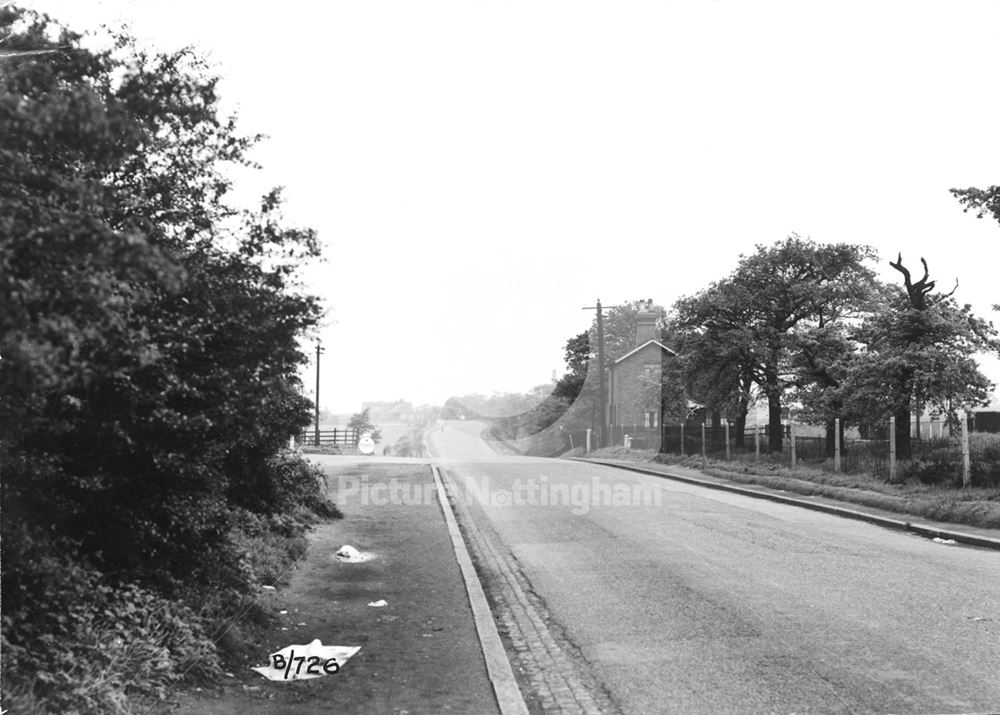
x,y
746,327
982,201
148,329
149,337
717,363
918,351
577,357
361,421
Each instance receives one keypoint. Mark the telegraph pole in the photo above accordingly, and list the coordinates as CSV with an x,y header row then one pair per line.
x,y
602,398
319,351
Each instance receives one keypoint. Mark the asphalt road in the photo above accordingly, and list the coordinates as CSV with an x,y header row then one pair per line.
x,y
688,600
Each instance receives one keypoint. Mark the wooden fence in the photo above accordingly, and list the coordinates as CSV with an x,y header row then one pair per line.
x,y
345,437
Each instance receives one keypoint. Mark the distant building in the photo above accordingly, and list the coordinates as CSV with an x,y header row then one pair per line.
x,y
396,412
635,384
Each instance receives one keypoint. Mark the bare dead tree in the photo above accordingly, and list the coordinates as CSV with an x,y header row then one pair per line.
x,y
919,291
918,294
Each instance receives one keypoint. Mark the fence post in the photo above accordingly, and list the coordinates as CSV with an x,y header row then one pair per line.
x,y
704,455
727,440
682,439
966,473
892,450
791,438
836,444
756,441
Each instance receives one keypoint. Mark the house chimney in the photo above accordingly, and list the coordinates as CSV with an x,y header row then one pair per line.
x,y
645,324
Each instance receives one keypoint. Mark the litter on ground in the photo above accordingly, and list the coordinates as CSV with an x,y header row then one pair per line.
x,y
939,540
302,662
351,555
381,603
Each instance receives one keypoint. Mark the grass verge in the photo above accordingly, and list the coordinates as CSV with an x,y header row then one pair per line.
x,y
977,506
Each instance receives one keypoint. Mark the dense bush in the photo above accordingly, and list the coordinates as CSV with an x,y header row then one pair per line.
x,y
150,341
942,464
73,640
934,471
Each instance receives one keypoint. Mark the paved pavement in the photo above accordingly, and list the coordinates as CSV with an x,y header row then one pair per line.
x,y
704,601
419,654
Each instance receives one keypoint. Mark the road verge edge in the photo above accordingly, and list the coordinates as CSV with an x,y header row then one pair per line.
x,y
877,519
508,694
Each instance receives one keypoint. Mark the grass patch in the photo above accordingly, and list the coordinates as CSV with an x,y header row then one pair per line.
x,y
629,455
322,449
936,501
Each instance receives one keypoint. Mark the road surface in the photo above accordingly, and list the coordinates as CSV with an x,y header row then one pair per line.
x,y
679,599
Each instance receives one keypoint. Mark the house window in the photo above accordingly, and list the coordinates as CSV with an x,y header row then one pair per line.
x,y
651,372
651,419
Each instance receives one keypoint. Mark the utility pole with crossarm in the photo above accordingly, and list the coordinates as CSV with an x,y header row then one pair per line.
x,y
319,351
602,397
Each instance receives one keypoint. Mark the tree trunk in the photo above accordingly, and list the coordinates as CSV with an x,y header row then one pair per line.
x,y
775,430
902,414
775,434
741,427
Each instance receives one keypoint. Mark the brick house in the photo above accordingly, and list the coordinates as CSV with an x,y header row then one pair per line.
x,y
635,403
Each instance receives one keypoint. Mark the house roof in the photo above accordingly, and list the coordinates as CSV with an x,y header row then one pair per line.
x,y
627,355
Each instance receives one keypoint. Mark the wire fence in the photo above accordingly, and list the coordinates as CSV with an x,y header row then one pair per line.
x,y
963,460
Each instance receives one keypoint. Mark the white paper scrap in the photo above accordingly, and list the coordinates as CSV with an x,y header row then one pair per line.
x,y
302,662
939,540
351,555
381,603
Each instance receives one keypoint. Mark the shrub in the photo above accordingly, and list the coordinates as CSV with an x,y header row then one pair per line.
x,y
149,371
73,641
985,446
985,473
934,471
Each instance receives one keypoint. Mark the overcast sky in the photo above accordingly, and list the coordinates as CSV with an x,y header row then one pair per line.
x,y
479,170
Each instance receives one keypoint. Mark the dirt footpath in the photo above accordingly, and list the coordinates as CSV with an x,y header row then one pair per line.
x,y
419,654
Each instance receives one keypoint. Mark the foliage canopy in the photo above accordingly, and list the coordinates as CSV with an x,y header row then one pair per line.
x,y
148,331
